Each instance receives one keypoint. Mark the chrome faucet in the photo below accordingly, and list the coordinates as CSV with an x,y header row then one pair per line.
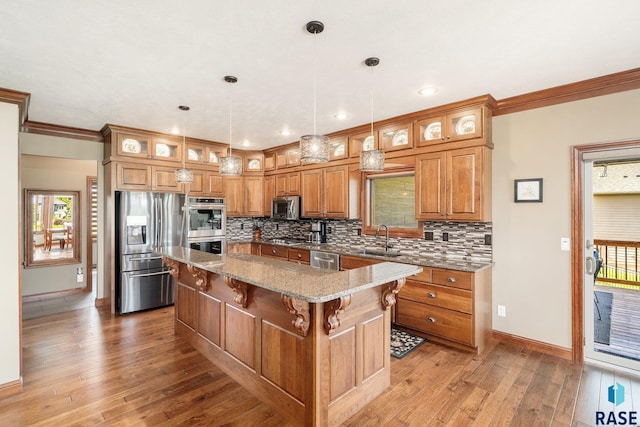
x,y
386,240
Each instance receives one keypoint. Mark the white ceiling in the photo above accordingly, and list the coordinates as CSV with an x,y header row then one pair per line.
x,y
131,63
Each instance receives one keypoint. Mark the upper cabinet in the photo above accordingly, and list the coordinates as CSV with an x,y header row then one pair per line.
x,y
253,161
338,148
395,137
362,142
149,147
455,126
288,156
325,192
204,153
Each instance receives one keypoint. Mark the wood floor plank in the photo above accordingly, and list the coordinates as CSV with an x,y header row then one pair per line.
x,y
88,368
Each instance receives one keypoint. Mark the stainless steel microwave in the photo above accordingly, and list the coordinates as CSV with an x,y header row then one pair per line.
x,y
286,208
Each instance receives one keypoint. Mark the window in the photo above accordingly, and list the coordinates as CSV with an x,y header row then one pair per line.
x,y
390,200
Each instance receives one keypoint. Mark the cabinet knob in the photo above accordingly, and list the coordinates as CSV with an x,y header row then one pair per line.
x,y
299,255
451,279
431,319
431,294
273,251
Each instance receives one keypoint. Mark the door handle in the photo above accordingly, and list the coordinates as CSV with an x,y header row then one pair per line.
x,y
590,265
134,276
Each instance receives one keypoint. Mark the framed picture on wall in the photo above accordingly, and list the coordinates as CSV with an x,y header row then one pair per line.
x,y
528,190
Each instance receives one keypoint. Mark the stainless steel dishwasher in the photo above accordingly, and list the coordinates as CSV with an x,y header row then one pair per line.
x,y
325,260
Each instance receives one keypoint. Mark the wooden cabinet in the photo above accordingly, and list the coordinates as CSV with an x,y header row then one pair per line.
x,y
253,161
396,137
338,148
325,192
197,153
253,196
274,251
288,184
288,156
148,147
454,126
239,248
206,184
452,307
269,161
348,262
301,256
142,177
269,186
454,185
362,142
234,195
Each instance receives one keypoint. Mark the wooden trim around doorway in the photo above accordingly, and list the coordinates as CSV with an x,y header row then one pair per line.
x,y
577,237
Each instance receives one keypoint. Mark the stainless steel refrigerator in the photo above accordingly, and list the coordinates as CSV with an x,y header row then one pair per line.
x,y
144,221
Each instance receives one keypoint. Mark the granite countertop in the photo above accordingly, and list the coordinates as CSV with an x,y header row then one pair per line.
x,y
300,281
423,260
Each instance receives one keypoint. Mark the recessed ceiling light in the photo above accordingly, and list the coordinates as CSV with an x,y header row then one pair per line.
x,y
246,143
285,132
341,116
175,131
427,91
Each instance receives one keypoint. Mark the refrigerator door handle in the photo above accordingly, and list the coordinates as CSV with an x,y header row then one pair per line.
x,y
133,276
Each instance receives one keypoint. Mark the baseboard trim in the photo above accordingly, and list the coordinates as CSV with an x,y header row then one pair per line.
x,y
10,388
529,344
100,302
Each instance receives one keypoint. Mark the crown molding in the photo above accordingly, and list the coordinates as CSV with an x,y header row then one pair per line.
x,y
604,85
21,99
61,131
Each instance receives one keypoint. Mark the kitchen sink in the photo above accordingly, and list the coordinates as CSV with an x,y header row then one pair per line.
x,y
377,252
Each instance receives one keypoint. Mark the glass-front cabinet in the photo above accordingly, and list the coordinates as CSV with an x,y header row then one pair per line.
x,y
149,148
395,137
455,126
364,141
204,154
338,148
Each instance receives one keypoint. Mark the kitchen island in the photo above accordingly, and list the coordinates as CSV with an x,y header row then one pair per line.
x,y
313,343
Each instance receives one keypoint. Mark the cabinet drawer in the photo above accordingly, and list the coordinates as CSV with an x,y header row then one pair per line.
x,y
439,296
453,278
300,255
438,321
274,251
348,262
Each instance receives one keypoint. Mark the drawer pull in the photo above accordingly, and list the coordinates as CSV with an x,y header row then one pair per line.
x,y
299,255
431,294
431,319
273,251
451,279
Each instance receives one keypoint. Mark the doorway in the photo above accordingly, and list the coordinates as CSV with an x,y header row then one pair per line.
x,y
605,254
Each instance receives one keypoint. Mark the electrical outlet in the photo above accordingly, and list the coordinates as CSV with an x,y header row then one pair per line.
x,y
445,237
79,275
502,311
428,235
277,226
328,230
487,239
359,231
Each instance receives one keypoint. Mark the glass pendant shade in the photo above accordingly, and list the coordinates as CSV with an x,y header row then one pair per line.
x,y
314,149
372,160
184,176
230,166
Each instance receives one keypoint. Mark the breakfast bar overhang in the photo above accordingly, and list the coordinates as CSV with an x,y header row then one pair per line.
x,y
313,343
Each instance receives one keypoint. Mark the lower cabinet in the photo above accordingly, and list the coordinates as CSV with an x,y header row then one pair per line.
x,y
451,307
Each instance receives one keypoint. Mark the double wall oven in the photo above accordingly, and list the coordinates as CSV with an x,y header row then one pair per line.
x,y
206,225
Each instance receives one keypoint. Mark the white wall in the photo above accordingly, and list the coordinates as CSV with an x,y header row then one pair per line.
x,y
531,276
10,259
52,173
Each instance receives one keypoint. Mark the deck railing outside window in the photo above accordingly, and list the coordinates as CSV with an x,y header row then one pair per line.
x,y
619,262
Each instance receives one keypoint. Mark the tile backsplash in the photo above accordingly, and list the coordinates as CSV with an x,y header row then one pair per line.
x,y
465,240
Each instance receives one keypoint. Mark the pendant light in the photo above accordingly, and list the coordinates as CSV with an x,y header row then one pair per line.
x,y
314,148
230,165
184,175
372,160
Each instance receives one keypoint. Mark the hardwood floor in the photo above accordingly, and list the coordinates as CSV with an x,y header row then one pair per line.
x,y
87,367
